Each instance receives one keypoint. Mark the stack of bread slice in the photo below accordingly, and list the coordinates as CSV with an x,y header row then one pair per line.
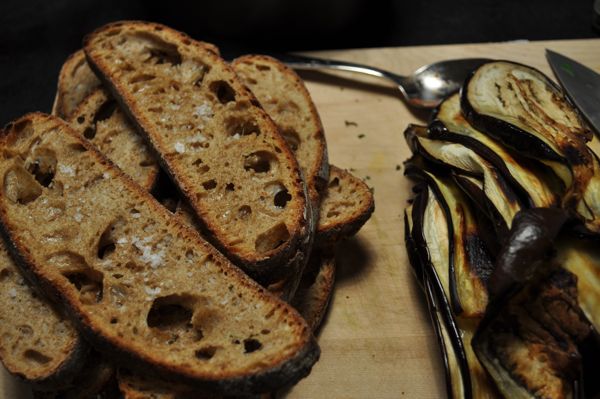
x,y
218,296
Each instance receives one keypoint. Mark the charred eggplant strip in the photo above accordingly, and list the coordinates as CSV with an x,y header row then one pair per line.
x,y
466,161
450,125
588,208
526,111
455,386
430,248
583,260
465,376
465,265
529,344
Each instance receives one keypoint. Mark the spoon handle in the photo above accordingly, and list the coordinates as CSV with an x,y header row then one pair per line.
x,y
303,62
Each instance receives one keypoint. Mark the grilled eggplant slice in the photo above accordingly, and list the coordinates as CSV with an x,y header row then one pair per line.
x,y
525,178
529,345
431,249
466,264
466,161
455,386
588,207
526,111
583,260
465,377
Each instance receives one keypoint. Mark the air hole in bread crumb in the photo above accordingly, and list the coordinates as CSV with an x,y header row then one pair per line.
x,y
206,353
272,238
4,274
89,284
265,331
291,137
244,212
43,166
80,119
114,320
34,356
263,67
237,127
202,168
334,183
89,132
108,238
230,187
260,161
210,184
173,312
282,198
251,345
141,77
223,91
77,147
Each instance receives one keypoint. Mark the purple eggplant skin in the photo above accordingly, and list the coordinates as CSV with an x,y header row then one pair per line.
x,y
435,288
527,249
509,134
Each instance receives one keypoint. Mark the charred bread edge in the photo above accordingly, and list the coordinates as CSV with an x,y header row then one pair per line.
x,y
287,371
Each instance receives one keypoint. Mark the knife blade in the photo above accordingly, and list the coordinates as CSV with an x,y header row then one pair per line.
x,y
581,83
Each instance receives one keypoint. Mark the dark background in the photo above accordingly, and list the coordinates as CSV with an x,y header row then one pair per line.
x,y
37,36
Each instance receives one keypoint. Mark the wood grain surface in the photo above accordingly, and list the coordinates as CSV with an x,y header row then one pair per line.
x,y
376,340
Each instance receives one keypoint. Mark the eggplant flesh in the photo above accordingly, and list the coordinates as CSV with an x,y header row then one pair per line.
x,y
526,111
461,258
529,344
465,376
450,125
583,260
465,160
588,208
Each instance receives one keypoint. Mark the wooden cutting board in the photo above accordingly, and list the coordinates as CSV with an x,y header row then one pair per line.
x,y
377,340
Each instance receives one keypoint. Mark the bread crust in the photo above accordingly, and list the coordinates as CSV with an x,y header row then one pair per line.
x,y
268,266
286,370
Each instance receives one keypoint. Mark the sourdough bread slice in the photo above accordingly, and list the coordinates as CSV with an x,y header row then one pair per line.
x,y
316,287
38,344
223,151
346,206
99,119
142,287
283,95
76,81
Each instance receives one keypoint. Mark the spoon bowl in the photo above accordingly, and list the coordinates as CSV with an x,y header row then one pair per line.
x,y
425,88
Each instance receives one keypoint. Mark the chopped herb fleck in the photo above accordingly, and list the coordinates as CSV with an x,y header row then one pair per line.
x,y
360,136
398,167
350,123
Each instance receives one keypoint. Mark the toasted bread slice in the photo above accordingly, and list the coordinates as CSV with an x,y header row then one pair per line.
x,y
99,119
316,287
141,286
39,344
222,150
76,81
283,95
346,206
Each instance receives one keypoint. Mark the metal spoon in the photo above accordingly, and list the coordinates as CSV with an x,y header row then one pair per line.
x,y
425,88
